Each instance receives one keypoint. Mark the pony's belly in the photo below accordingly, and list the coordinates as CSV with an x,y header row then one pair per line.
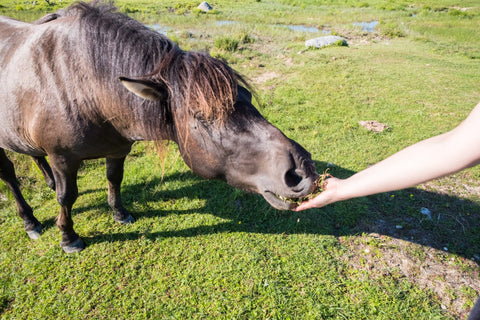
x,y
17,145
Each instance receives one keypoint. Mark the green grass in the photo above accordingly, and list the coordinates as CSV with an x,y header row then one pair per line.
x,y
201,249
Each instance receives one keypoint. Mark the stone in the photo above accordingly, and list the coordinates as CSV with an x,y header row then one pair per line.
x,y
325,41
426,212
205,7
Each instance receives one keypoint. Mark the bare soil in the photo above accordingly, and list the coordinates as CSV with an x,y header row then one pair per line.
x,y
429,268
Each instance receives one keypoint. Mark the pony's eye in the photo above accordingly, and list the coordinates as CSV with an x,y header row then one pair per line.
x,y
198,116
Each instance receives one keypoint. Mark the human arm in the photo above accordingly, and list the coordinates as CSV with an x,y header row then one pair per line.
x,y
426,160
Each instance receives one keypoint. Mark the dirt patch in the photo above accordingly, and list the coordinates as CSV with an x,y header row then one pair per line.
x,y
264,77
361,38
288,61
461,8
373,125
449,277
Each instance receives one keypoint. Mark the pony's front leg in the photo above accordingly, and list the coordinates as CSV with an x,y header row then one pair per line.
x,y
7,173
65,174
115,177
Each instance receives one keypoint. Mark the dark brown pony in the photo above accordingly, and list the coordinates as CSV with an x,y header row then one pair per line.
x,y
87,82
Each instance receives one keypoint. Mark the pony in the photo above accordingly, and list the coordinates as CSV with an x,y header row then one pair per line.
x,y
87,82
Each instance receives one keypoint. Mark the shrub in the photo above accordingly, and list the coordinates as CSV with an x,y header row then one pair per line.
x,y
244,38
226,43
458,13
391,30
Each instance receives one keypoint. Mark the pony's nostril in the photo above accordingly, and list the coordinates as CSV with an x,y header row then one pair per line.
x,y
292,179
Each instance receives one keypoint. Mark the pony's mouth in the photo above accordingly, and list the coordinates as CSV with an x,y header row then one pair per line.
x,y
289,203
281,202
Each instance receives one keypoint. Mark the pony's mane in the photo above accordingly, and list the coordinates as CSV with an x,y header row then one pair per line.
x,y
207,86
121,46
116,42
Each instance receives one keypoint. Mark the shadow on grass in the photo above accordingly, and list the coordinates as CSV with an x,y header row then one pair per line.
x,y
453,223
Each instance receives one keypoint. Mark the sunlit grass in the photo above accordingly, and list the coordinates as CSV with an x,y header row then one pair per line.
x,y
201,249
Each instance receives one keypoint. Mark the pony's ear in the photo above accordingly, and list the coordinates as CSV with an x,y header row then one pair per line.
x,y
247,94
145,89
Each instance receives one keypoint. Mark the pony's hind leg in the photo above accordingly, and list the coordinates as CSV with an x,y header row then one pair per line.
x,y
115,177
7,173
46,171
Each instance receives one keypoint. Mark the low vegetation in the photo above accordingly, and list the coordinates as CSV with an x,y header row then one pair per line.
x,y
201,249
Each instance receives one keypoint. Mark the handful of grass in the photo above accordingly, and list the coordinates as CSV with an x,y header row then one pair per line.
x,y
319,188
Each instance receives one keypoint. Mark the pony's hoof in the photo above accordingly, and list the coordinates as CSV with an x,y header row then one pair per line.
x,y
128,220
35,233
76,246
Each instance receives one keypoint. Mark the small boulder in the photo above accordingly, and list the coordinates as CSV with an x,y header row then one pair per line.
x,y
326,41
205,7
426,212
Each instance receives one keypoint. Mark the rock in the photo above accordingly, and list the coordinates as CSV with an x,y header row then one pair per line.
x,y
426,212
325,41
205,7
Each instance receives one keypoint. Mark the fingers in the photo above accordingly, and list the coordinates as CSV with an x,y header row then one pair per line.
x,y
313,203
305,205
326,197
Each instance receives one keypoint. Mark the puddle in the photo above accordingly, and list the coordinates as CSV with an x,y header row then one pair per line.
x,y
292,27
159,28
303,28
299,28
226,23
367,26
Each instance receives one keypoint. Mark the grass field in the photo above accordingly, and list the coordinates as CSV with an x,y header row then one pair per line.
x,y
201,249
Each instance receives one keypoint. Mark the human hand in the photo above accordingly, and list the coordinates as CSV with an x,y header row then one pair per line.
x,y
329,195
